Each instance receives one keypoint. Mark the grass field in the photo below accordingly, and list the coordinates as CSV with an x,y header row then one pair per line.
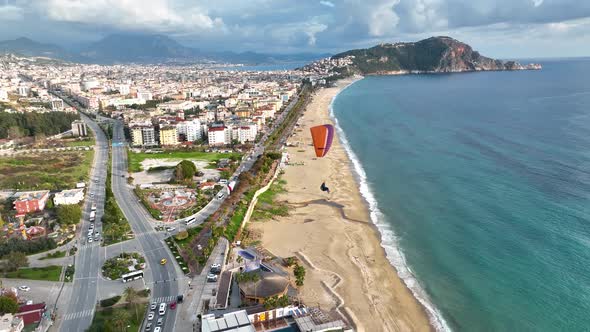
x,y
49,273
54,171
89,142
135,159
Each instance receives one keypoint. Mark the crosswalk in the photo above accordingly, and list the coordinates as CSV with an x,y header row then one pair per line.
x,y
164,299
79,314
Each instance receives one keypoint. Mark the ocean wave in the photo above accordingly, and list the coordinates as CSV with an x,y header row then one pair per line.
x,y
388,238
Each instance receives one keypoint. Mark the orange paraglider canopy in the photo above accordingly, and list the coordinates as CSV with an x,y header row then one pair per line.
x,y
322,138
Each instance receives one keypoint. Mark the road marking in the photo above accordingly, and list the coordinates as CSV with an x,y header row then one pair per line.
x,y
164,299
79,314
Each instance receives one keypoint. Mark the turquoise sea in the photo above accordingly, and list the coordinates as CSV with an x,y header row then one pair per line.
x,y
480,185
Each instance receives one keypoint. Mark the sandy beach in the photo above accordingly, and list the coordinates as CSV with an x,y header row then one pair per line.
x,y
347,269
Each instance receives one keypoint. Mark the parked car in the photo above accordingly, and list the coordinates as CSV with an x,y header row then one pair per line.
x,y
157,329
24,288
211,277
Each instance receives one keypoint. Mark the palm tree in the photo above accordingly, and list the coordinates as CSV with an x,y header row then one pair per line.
x,y
132,297
120,320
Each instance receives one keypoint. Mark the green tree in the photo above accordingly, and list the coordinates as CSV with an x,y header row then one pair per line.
x,y
119,320
69,214
14,260
8,305
299,272
185,170
132,299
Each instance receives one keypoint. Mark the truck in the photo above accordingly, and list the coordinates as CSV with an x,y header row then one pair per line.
x,y
92,216
93,208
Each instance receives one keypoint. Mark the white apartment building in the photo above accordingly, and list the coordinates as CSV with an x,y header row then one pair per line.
x,y
219,135
124,89
145,95
68,197
244,133
3,95
191,130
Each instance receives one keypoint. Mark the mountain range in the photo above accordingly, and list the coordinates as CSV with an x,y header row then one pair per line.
x,y
140,48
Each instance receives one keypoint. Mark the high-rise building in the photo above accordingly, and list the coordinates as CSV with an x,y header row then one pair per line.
x,y
168,135
190,130
143,136
79,128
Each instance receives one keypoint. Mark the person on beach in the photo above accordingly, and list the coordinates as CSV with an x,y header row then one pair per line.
x,y
324,188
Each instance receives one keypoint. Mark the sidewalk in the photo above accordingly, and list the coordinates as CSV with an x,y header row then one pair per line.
x,y
199,290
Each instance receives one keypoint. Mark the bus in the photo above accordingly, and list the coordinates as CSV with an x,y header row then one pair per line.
x,y
132,276
92,216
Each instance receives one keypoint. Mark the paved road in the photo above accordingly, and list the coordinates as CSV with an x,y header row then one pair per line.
x,y
164,278
78,314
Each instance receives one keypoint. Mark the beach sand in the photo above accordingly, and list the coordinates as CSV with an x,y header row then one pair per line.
x,y
332,234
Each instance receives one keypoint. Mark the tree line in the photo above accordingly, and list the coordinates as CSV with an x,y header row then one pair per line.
x,y
17,125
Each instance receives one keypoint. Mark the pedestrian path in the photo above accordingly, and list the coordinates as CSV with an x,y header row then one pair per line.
x,y
164,299
79,314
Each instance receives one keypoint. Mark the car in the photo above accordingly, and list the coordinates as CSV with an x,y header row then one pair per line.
x,y
24,288
216,266
153,306
96,234
162,309
220,196
90,240
215,270
173,305
163,261
151,315
170,229
148,327
211,277
160,321
157,329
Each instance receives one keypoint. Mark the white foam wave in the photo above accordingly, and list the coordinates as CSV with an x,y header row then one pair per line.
x,y
388,238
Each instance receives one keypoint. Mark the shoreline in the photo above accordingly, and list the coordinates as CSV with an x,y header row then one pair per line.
x,y
335,235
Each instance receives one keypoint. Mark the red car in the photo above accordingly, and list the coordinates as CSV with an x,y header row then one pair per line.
x,y
172,305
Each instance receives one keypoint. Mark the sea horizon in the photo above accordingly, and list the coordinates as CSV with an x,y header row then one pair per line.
x,y
407,251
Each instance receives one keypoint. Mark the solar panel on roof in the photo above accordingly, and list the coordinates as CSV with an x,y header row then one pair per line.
x,y
231,320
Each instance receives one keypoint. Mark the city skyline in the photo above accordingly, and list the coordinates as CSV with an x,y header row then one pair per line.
x,y
505,29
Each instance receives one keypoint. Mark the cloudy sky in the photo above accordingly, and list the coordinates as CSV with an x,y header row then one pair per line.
x,y
498,28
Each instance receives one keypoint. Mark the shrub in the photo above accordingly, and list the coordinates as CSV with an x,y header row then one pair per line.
x,y
110,301
181,235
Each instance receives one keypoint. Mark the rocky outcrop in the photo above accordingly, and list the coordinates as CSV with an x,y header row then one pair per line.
x,y
432,55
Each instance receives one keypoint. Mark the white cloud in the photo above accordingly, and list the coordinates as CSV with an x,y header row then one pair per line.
x,y
11,13
537,3
383,19
327,3
155,15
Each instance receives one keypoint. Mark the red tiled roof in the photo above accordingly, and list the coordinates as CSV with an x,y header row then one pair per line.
x,y
216,128
30,317
31,307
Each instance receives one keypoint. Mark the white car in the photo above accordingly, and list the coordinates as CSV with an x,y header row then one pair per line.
x,y
157,329
24,288
90,240
153,306
151,315
216,266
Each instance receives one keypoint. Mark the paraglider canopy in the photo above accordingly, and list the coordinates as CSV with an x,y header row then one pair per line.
x,y
322,138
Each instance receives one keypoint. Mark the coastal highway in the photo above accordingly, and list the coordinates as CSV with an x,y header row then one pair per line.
x,y
78,314
164,278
